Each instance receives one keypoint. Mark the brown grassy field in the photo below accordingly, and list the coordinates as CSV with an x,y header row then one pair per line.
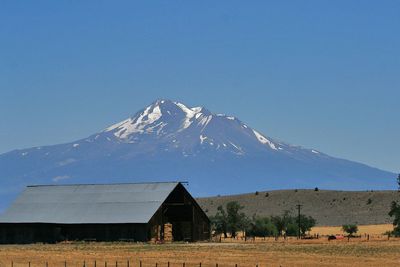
x,y
357,252
373,230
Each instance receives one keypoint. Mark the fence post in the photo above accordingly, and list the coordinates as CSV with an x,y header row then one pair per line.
x,y
140,263
84,263
168,264
183,264
95,263
65,263
47,264
116,263
127,263
29,264
105,264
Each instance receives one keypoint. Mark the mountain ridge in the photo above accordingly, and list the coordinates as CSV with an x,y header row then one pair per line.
x,y
168,140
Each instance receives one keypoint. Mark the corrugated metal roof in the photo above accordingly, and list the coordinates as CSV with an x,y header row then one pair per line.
x,y
79,204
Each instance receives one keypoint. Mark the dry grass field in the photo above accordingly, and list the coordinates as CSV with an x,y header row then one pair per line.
x,y
357,252
373,230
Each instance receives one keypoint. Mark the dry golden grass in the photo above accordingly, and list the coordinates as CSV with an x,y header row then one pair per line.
x,y
269,253
373,230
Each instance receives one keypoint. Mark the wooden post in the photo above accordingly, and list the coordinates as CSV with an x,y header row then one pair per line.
x,y
29,264
47,264
12,264
95,263
84,263
65,263
127,263
116,263
168,264
183,264
105,264
156,264
140,263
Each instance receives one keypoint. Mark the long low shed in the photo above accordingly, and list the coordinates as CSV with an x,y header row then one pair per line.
x,y
104,212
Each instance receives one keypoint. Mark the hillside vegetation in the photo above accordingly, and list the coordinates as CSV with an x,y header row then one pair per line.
x,y
328,207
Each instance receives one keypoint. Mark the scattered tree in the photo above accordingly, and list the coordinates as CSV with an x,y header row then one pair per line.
x,y
316,189
229,220
395,212
219,222
292,228
369,201
306,223
262,226
282,222
236,220
350,229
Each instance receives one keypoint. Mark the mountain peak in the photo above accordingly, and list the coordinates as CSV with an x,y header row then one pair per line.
x,y
174,124
159,114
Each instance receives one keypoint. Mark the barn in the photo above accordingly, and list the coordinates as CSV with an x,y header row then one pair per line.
x,y
104,212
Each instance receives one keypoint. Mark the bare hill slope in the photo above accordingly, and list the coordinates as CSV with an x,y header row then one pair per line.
x,y
328,207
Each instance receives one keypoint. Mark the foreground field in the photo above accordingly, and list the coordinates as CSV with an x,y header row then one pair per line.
x,y
282,253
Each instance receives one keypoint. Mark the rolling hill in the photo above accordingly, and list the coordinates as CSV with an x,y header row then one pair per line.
x,y
328,207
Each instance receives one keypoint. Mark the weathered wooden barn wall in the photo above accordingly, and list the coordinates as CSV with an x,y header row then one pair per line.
x,y
52,233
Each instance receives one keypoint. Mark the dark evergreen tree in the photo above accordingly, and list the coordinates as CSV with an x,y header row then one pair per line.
x,y
395,212
398,182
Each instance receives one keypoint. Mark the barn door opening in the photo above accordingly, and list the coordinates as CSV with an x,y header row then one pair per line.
x,y
180,216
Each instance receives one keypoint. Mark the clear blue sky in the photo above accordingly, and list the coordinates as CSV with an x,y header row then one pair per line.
x,y
321,74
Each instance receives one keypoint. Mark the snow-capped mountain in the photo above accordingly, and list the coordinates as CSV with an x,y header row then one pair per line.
x,y
174,126
216,153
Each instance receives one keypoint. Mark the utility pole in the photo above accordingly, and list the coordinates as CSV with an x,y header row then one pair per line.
x,y
298,209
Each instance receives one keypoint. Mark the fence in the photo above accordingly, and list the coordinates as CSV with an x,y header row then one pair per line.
x,y
118,263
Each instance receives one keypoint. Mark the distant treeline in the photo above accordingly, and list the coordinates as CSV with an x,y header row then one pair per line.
x,y
230,220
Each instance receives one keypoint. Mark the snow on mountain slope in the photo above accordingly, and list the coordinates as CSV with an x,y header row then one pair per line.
x,y
216,153
179,125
